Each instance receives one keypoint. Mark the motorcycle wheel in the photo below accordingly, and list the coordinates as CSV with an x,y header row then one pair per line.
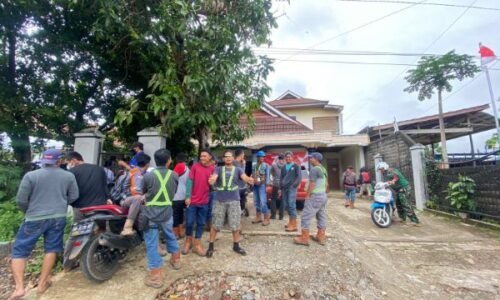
x,y
98,263
381,217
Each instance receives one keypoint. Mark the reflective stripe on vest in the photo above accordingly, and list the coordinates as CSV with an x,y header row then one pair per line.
x,y
158,200
227,187
321,188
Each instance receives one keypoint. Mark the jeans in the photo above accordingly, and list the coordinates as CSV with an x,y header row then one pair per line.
x,y
211,197
289,199
276,201
196,214
151,240
243,199
178,207
350,194
28,234
260,198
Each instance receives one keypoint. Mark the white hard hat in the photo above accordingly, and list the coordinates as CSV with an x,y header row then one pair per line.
x,y
382,165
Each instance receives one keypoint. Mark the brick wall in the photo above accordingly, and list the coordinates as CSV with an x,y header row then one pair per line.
x,y
395,150
487,180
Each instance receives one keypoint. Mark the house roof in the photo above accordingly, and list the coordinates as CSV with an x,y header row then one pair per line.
x,y
290,99
459,123
269,120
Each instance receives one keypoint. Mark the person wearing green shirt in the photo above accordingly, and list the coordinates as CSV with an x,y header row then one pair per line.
x,y
401,187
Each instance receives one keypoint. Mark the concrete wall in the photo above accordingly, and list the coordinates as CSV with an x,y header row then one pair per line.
x,y
306,115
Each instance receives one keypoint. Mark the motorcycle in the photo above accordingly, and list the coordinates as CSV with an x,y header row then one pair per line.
x,y
382,207
96,244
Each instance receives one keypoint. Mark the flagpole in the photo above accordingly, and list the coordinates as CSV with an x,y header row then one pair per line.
x,y
493,104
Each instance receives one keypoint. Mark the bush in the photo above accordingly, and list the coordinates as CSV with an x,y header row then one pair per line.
x,y
10,216
461,193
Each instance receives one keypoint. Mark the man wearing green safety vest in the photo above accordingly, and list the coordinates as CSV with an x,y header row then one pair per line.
x,y
226,181
315,204
400,185
159,190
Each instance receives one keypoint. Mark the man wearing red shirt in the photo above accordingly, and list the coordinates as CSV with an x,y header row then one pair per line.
x,y
197,191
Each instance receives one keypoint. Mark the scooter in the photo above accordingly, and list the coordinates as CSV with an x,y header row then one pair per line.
x,y
96,244
382,207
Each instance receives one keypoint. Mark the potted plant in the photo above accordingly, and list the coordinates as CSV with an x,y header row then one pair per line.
x,y
461,195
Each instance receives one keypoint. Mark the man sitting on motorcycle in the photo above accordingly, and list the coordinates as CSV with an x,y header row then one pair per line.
x,y
401,187
159,189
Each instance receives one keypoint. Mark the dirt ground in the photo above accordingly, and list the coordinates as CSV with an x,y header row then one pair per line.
x,y
442,259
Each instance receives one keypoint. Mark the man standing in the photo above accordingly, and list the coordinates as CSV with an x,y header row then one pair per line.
x,y
197,193
43,196
240,162
137,149
315,204
276,194
260,177
401,187
290,180
225,181
365,183
159,188
349,181
92,184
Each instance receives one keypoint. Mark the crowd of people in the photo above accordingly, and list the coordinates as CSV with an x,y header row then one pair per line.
x,y
180,201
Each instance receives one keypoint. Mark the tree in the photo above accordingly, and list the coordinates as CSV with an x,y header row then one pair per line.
x,y
434,73
492,142
196,58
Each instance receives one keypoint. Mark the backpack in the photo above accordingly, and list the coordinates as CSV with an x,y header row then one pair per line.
x,y
119,190
366,177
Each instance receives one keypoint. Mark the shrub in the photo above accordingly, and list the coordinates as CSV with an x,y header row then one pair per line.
x,y
461,193
10,216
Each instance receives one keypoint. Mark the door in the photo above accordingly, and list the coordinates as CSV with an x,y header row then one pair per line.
x,y
333,174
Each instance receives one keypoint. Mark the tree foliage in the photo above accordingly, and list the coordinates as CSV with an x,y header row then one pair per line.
x,y
201,71
492,142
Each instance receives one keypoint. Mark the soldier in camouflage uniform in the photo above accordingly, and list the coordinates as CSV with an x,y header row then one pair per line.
x,y
402,189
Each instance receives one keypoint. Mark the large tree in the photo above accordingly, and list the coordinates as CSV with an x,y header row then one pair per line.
x,y
435,73
197,59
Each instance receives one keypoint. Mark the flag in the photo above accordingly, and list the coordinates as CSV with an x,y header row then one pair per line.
x,y
487,55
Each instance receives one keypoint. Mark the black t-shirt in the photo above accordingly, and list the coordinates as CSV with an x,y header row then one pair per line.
x,y
92,184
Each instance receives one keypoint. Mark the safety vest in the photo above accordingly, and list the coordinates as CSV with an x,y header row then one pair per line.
x,y
158,200
321,188
227,184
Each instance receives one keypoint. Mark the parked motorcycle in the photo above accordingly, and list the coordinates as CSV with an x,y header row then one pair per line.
x,y
382,207
95,242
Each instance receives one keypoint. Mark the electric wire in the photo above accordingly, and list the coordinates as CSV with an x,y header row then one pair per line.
x,y
426,3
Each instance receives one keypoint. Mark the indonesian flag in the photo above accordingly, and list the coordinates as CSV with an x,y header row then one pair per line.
x,y
487,55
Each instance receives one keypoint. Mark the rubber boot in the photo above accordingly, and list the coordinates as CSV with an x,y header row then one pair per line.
x,y
302,239
288,224
258,218
175,260
198,248
188,244
182,231
266,219
128,228
292,226
154,278
320,237
175,230
351,205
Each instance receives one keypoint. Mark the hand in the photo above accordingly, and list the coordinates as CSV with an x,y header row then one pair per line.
x,y
212,179
187,202
109,202
250,181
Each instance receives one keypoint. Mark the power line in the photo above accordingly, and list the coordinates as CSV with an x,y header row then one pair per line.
x,y
426,3
427,48
362,26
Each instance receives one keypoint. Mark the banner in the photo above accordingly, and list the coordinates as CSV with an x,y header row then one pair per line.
x,y
299,157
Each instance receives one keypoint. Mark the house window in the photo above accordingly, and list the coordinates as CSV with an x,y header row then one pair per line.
x,y
325,124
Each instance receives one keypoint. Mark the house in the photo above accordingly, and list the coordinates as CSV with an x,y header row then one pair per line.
x,y
302,125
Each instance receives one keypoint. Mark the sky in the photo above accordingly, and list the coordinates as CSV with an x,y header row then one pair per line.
x,y
373,94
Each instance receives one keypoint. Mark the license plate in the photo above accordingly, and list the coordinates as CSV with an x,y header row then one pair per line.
x,y
82,228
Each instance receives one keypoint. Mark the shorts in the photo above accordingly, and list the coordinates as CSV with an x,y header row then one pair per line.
x,y
28,234
230,208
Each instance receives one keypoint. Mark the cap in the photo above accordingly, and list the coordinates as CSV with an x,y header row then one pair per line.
x,y
289,153
261,154
382,165
281,156
51,156
316,155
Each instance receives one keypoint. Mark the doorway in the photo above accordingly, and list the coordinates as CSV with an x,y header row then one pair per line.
x,y
333,174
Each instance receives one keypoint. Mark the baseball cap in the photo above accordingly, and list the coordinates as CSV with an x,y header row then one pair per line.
x,y
316,155
281,156
50,157
261,154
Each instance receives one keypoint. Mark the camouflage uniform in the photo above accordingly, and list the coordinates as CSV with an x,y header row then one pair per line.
x,y
403,190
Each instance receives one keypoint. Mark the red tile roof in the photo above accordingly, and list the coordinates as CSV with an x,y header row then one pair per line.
x,y
268,124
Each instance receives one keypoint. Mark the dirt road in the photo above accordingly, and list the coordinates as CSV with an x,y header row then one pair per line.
x,y
443,259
